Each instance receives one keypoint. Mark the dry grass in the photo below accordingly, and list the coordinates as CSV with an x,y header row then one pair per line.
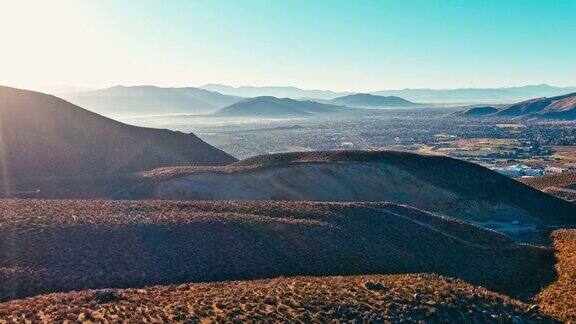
x,y
62,245
559,299
368,299
561,180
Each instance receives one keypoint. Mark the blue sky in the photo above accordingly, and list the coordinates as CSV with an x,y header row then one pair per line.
x,y
354,45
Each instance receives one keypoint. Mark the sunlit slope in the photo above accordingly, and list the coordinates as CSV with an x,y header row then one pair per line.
x,y
363,299
61,245
44,136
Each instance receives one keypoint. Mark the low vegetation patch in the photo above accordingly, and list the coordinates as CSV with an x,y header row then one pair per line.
x,y
364,299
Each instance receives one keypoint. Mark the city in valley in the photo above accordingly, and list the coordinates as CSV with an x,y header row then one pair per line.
x,y
516,148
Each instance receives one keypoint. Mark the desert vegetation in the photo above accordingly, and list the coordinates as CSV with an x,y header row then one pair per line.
x,y
62,245
368,299
559,299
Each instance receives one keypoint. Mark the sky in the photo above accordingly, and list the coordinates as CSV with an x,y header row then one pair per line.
x,y
353,45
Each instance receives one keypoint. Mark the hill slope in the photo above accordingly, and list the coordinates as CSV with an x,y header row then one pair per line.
x,y
43,135
121,101
363,299
272,107
440,184
365,100
44,246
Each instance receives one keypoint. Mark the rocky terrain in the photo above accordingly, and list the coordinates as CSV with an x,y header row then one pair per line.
x,y
44,136
62,245
368,299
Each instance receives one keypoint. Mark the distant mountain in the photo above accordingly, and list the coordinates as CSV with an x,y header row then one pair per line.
x,y
477,111
559,107
121,101
493,95
45,136
272,107
366,100
276,91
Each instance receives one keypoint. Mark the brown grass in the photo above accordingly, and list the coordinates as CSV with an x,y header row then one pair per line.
x,y
62,245
559,299
368,299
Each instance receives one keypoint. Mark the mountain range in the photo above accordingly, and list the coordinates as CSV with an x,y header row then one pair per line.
x,y
488,95
458,95
45,136
138,101
274,91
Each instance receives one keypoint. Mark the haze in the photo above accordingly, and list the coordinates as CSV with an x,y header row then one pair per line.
x,y
337,45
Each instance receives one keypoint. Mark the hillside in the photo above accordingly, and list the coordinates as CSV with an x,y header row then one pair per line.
x,y
43,136
121,101
440,184
272,107
365,100
62,245
363,299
